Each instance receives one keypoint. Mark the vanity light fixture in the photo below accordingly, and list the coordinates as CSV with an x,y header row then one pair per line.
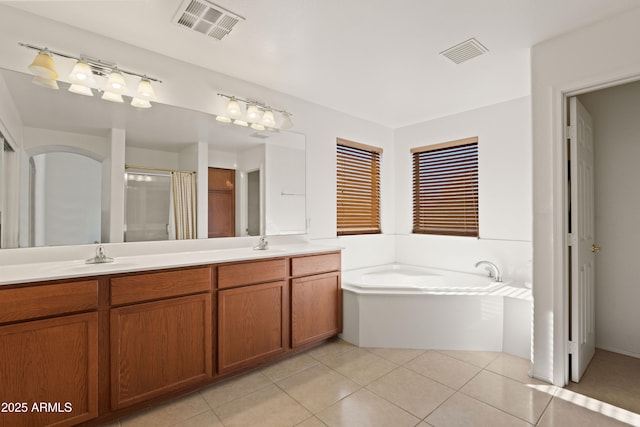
x,y
82,77
259,116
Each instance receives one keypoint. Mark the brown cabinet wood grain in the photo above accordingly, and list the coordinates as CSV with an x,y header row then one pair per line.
x,y
316,308
315,264
221,202
247,273
159,347
52,364
154,286
47,300
251,325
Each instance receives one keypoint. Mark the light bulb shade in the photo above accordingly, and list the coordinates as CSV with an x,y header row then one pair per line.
x,y
140,103
82,75
253,113
240,123
48,83
257,126
145,90
233,109
223,119
43,66
116,83
80,89
113,97
287,123
268,119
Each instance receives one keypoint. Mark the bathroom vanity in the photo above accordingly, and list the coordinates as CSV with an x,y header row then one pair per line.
x,y
85,349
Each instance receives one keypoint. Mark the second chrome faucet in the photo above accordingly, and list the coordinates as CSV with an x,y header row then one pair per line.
x,y
494,271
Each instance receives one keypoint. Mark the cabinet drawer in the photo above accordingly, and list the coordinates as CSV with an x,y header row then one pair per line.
x,y
314,264
151,286
47,300
247,273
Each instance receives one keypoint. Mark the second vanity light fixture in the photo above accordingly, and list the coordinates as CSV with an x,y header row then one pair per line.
x,y
83,80
259,116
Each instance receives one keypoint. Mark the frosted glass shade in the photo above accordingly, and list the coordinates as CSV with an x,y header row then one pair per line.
x,y
257,126
287,123
82,75
116,84
145,90
268,119
233,109
223,119
80,89
240,123
253,113
140,103
43,66
48,83
113,97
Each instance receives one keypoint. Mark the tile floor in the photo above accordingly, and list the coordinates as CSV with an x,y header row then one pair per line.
x,y
338,384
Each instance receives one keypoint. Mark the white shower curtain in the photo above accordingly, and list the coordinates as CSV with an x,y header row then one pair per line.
x,y
183,201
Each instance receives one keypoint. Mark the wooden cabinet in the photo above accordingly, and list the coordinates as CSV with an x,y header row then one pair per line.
x,y
49,367
316,298
160,346
222,202
251,325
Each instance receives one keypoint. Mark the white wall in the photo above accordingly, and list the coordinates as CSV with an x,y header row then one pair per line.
x,y
504,181
617,209
150,158
581,60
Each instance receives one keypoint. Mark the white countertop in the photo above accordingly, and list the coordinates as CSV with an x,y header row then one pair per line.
x,y
41,271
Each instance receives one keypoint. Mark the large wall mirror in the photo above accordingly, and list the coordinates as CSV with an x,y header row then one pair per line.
x,y
245,182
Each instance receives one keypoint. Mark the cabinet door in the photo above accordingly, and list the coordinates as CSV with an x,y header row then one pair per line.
x,y
316,308
159,347
49,371
251,325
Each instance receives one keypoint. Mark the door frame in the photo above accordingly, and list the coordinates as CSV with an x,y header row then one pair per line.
x,y
561,265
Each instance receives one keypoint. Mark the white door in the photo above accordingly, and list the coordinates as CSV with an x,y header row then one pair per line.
x,y
582,239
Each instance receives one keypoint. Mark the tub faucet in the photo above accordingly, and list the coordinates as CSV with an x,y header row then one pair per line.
x,y
100,258
494,271
263,245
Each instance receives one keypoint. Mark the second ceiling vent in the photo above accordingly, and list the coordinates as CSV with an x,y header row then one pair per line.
x,y
464,51
206,18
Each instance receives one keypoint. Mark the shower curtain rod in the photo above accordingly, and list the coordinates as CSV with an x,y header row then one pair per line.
x,y
126,166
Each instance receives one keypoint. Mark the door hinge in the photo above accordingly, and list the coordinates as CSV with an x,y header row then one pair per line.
x,y
570,132
571,347
571,239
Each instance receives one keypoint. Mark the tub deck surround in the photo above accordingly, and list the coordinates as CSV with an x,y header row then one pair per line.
x,y
402,306
68,269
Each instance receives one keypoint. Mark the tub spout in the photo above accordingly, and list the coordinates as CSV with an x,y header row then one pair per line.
x,y
494,271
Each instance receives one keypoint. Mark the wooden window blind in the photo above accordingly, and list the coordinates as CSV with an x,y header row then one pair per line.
x,y
358,188
445,188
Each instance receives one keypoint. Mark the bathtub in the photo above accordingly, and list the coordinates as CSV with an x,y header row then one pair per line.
x,y
403,306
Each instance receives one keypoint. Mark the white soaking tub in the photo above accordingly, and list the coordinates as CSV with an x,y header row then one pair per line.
x,y
404,306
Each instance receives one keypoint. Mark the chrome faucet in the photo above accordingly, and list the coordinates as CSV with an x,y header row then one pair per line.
x,y
100,258
494,271
263,245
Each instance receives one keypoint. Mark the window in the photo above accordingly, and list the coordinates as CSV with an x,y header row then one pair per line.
x,y
445,188
358,188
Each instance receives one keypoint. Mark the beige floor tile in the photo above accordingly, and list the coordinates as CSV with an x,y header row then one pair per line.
x,y
330,349
464,411
364,408
360,365
451,372
311,422
399,356
318,387
562,413
513,367
410,391
476,358
288,367
267,407
205,419
168,414
220,394
508,395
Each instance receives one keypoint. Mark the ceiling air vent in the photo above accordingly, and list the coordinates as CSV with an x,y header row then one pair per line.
x,y
206,18
465,51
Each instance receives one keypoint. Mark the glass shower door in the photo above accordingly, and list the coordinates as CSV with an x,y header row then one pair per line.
x,y
147,204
